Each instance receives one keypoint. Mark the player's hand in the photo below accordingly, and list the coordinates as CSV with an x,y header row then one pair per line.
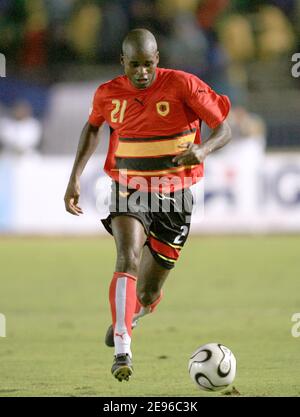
x,y
72,197
192,154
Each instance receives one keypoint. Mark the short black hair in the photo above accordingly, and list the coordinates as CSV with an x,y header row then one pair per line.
x,y
140,39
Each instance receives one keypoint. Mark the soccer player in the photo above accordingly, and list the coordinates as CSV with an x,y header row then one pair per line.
x,y
155,150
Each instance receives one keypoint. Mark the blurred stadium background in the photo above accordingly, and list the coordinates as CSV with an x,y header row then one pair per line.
x,y
57,53
245,289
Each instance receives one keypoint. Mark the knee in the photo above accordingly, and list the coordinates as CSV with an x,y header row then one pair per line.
x,y
128,261
147,298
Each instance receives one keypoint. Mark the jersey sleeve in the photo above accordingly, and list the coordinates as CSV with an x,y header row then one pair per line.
x,y
96,118
211,107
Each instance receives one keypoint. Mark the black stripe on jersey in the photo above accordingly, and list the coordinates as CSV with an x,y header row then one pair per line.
x,y
154,138
146,164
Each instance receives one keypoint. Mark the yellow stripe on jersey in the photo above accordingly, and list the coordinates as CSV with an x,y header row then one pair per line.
x,y
155,148
154,173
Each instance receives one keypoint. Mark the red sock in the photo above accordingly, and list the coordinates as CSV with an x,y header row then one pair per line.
x,y
122,297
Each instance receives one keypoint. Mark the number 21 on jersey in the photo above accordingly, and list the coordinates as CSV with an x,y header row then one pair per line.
x,y
117,114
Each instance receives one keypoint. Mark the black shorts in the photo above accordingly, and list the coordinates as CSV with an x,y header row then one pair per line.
x,y
165,217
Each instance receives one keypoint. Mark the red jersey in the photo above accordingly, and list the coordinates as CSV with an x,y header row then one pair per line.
x,y
148,125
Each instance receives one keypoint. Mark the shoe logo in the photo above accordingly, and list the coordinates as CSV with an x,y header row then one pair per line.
x,y
120,335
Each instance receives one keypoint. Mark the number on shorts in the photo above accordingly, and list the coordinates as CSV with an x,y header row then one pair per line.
x,y
179,239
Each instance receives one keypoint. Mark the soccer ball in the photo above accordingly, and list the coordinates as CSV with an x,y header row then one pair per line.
x,y
212,367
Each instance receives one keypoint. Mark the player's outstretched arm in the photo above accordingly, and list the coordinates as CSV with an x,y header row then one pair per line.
x,y
195,154
86,147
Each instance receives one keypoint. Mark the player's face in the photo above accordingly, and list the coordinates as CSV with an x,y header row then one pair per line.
x,y
140,67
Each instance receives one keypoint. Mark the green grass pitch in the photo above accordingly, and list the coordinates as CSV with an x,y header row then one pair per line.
x,y
240,291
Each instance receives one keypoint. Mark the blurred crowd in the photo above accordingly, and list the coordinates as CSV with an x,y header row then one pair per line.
x,y
45,41
196,35
20,131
